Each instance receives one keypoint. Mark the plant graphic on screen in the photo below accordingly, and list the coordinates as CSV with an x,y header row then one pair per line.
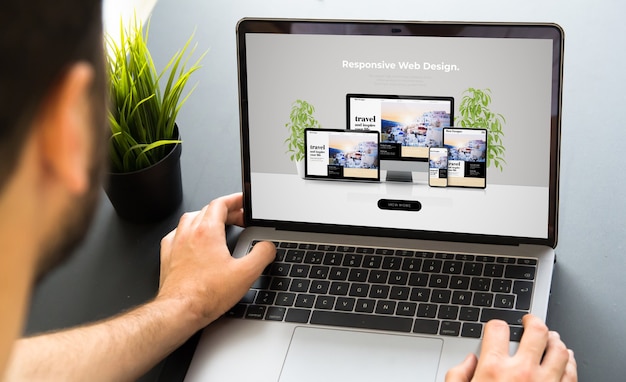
x,y
300,118
474,113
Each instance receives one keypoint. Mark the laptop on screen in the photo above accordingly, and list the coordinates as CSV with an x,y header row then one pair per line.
x,y
383,276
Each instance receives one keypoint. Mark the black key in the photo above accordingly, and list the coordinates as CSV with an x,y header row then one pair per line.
x,y
459,282
338,288
265,298
448,312
461,297
439,281
424,255
452,267
427,310
420,294
262,282
339,274
398,278
280,283
364,305
411,264
527,261
405,253
299,270
326,247
309,246
372,261
275,313
294,256
300,285
432,266
392,262
482,299
501,285
325,302
256,312
305,301
481,284
464,257
524,291
345,304
297,315
346,249
486,259
444,256
520,272
426,326
378,277
440,296
471,330
418,279
319,272
280,269
406,309
363,321
333,258
512,317
450,328
359,275
493,270
473,269
504,301
359,290
469,314
516,333
313,257
385,251
280,254
385,307
319,286
285,299
288,245
379,291
399,293
351,260
366,250
506,260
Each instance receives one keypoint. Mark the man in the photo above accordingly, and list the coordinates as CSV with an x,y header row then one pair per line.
x,y
52,139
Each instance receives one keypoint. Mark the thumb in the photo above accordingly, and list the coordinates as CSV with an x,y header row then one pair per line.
x,y
464,371
259,257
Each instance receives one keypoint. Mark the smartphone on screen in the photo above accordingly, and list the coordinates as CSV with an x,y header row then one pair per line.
x,y
438,167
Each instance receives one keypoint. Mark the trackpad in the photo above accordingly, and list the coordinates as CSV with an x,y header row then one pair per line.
x,y
343,355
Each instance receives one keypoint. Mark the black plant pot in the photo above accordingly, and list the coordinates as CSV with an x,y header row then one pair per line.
x,y
150,194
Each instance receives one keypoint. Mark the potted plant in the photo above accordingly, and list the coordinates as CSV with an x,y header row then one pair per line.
x,y
300,118
475,113
145,145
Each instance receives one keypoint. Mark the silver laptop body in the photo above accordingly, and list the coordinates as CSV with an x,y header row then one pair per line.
x,y
390,260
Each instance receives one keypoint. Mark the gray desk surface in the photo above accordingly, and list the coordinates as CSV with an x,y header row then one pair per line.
x,y
117,267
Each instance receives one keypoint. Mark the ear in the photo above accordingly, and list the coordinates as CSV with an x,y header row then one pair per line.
x,y
65,129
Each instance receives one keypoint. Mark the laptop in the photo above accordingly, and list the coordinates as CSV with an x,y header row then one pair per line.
x,y
424,202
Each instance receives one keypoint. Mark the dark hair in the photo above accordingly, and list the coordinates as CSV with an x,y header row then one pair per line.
x,y
39,40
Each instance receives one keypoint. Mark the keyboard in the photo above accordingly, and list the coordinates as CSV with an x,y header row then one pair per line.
x,y
391,289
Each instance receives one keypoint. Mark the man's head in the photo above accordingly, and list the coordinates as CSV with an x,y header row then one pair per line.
x,y
52,109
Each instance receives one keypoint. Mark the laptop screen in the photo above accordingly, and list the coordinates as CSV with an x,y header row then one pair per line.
x,y
487,95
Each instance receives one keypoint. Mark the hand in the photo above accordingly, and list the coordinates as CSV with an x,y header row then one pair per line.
x,y
541,356
197,267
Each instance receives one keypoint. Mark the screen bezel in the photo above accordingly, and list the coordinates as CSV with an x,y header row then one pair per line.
x,y
550,31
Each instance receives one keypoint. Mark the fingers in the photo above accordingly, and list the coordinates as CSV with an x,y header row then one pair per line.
x,y
496,338
262,254
556,356
227,209
464,371
571,369
535,339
